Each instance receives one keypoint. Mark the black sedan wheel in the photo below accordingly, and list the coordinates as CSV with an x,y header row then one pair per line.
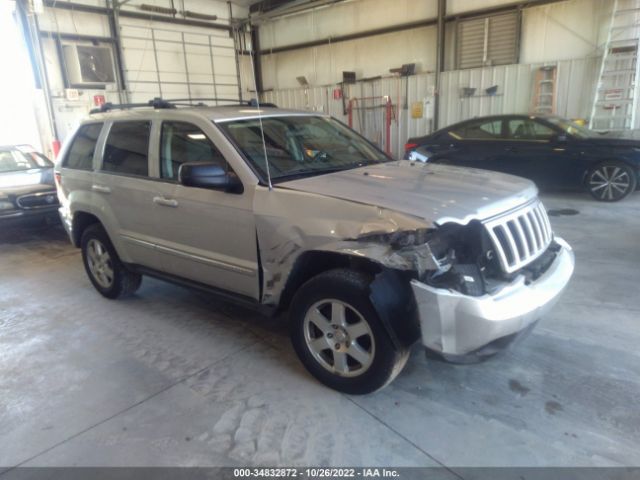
x,y
611,181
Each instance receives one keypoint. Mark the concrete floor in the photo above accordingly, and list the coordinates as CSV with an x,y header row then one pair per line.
x,y
171,377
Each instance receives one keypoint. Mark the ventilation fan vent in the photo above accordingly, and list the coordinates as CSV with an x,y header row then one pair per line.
x,y
88,65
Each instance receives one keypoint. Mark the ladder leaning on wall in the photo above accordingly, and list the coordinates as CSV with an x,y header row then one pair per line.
x,y
544,93
615,106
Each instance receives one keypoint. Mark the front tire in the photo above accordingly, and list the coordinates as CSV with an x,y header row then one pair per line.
x,y
107,273
611,181
338,336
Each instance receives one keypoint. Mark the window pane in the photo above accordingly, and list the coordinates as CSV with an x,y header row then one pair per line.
x,y
80,154
542,132
524,129
127,148
40,160
183,142
14,160
301,145
480,130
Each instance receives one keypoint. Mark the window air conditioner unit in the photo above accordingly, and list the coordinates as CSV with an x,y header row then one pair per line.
x,y
88,65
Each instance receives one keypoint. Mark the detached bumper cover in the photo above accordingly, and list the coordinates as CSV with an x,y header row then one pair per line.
x,y
455,324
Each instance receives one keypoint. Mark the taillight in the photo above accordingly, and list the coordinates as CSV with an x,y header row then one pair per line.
x,y
57,178
409,146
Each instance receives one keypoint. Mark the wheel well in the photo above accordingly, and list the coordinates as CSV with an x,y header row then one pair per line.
x,y
81,220
312,263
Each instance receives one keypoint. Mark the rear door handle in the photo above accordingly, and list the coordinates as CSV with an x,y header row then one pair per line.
x,y
509,149
100,189
165,202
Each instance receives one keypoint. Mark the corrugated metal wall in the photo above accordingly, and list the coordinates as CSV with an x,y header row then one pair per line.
x,y
575,89
369,120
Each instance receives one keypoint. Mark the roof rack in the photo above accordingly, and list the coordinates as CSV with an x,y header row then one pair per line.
x,y
155,103
160,103
250,103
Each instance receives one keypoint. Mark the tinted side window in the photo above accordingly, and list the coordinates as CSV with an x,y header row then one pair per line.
x,y
127,148
480,130
522,129
80,154
183,142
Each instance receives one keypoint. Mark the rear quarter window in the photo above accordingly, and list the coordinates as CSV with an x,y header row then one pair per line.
x,y
478,130
83,146
126,150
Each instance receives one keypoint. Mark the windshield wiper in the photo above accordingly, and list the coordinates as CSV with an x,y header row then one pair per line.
x,y
316,171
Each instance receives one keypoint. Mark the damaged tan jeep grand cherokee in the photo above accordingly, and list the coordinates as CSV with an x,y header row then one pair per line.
x,y
367,254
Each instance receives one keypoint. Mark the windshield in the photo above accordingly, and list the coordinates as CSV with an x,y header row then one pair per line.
x,y
14,160
299,146
572,128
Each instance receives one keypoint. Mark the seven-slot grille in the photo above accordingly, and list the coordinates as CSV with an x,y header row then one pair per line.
x,y
521,236
37,200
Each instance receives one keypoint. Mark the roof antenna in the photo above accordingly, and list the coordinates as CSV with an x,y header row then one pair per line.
x,y
264,145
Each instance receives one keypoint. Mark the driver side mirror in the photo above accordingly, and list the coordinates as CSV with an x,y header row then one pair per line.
x,y
209,175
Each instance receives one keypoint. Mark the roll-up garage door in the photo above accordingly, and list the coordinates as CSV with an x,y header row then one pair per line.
x,y
177,62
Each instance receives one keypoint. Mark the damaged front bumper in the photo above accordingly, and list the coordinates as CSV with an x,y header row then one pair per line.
x,y
453,324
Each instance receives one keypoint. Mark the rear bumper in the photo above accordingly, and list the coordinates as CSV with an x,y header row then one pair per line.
x,y
66,219
455,324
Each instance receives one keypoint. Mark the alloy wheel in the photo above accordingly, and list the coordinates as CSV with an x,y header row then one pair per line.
x,y
609,182
339,338
99,262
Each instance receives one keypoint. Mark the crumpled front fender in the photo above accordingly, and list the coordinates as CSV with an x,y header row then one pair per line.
x,y
290,223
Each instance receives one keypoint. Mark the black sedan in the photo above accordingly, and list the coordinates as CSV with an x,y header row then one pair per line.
x,y
27,190
552,151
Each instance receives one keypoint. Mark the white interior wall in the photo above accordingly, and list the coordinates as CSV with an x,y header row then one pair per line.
x,y
349,16
461,6
208,7
564,30
141,75
368,57
557,31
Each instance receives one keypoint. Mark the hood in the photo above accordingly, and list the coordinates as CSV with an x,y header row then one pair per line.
x,y
26,181
435,193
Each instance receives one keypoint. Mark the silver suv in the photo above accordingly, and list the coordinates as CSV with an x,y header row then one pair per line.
x,y
288,210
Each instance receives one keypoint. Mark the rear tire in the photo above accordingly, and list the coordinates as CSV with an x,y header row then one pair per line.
x,y
107,273
338,336
611,181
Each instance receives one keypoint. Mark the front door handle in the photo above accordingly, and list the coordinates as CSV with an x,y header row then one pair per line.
x,y
100,189
509,149
165,202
